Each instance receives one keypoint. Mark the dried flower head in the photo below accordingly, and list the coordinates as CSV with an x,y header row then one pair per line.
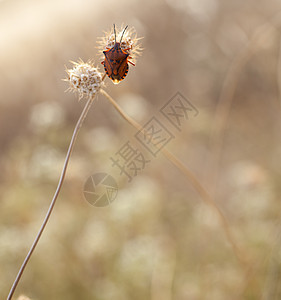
x,y
130,42
84,78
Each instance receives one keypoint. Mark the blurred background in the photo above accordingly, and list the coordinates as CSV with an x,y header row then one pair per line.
x,y
158,239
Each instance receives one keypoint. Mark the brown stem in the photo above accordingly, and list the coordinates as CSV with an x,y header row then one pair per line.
x,y
49,212
195,183
228,90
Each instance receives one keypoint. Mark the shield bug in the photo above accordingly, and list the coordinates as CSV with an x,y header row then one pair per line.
x,y
116,60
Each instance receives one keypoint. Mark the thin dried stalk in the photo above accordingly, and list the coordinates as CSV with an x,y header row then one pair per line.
x,y
278,77
53,202
192,179
227,94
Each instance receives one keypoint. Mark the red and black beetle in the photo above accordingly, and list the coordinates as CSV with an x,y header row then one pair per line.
x,y
116,60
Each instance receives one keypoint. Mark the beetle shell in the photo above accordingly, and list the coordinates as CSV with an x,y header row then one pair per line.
x,y
116,63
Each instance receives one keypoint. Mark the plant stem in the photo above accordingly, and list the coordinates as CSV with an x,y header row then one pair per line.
x,y
193,180
61,180
228,91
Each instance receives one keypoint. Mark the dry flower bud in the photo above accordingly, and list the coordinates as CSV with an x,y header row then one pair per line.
x,y
129,44
84,78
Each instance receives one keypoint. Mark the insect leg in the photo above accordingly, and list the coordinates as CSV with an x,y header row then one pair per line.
x,y
131,63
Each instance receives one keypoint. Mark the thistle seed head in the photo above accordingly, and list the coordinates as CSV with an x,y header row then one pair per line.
x,y
84,79
129,44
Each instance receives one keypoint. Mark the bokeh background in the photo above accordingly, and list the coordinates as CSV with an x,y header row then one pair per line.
x,y
158,239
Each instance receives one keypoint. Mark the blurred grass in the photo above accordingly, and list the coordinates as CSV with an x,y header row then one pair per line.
x,y
157,240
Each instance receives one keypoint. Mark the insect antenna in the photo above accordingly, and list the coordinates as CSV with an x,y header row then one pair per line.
x,y
123,33
114,32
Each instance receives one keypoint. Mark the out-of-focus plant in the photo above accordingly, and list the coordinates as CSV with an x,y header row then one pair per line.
x,y
87,81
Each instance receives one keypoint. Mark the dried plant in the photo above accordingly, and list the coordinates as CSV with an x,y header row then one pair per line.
x,y
129,44
85,80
